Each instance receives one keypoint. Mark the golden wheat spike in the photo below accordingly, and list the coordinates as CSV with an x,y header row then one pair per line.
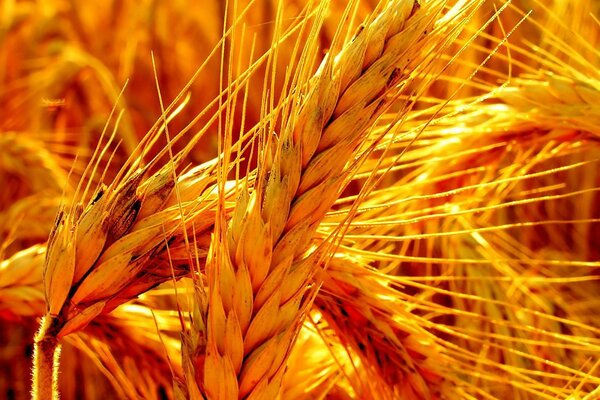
x,y
568,102
367,316
39,170
28,220
102,256
136,360
112,342
257,270
34,178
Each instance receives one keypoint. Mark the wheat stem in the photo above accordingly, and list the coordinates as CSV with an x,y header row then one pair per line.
x,y
46,353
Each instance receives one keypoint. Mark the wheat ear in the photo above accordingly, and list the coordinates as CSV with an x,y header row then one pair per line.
x,y
364,311
29,159
257,270
35,181
561,101
112,341
21,294
29,220
105,254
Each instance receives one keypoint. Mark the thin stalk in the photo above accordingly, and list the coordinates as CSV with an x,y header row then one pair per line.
x,y
46,353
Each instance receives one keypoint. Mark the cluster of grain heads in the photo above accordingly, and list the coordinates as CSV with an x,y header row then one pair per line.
x,y
459,265
472,248
487,217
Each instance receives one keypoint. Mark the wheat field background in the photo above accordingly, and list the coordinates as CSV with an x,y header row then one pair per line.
x,y
393,199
